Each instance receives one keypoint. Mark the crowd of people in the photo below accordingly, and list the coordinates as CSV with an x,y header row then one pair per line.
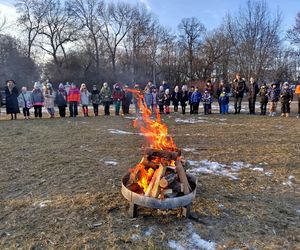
x,y
157,99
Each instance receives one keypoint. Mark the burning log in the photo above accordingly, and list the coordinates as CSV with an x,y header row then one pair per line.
x,y
149,164
167,180
168,155
150,186
182,177
160,173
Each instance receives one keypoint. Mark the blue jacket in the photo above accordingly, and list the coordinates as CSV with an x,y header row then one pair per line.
x,y
148,99
223,98
196,97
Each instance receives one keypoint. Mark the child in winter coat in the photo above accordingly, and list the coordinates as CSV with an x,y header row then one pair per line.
x,y
176,98
207,100
105,94
190,93
195,100
148,98
118,95
61,100
25,102
84,99
49,99
37,98
223,101
126,100
184,97
263,95
167,101
73,99
286,97
273,98
95,98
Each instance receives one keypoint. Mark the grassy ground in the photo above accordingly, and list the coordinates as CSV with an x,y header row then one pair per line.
x,y
59,187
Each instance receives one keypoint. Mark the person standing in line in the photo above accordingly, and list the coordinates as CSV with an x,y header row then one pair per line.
x,y
160,95
190,93
252,93
49,95
154,100
195,101
273,99
286,96
297,92
105,94
38,99
148,98
118,95
12,104
84,99
183,98
239,87
61,100
95,98
207,100
126,100
25,102
175,98
263,94
167,101
73,99
224,101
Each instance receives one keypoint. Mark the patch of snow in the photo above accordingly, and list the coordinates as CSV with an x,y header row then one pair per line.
x,y
111,163
202,244
175,245
268,173
130,117
149,231
135,237
190,120
189,149
258,169
289,181
120,132
298,211
42,203
216,168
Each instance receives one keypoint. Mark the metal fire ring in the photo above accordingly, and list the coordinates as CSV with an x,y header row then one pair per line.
x,y
167,203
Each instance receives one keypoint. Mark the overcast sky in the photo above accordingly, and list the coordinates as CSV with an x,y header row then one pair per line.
x,y
210,12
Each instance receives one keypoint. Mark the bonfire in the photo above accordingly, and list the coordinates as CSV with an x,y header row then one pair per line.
x,y
161,172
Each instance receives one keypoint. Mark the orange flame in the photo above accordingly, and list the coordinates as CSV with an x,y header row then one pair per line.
x,y
156,134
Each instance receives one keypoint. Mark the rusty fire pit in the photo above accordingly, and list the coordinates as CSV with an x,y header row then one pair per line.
x,y
136,199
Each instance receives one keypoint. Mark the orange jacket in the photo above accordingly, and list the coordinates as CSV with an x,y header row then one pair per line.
x,y
297,90
74,95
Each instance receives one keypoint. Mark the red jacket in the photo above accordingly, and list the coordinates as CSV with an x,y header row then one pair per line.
x,y
74,95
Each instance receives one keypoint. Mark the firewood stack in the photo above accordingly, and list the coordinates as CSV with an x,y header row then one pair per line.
x,y
160,174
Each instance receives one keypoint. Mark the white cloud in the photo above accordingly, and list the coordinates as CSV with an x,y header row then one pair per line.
x,y
146,3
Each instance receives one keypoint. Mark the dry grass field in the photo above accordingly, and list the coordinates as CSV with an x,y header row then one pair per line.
x,y
60,182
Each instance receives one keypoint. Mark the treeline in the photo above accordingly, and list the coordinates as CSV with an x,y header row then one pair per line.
x,y
95,41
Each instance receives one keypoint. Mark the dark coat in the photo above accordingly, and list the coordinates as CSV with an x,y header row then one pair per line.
x,y
253,90
238,88
12,104
263,94
175,98
184,97
61,98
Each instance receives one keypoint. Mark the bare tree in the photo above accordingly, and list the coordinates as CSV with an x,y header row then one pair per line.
x,y
58,29
87,11
30,17
191,31
254,33
294,34
117,19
